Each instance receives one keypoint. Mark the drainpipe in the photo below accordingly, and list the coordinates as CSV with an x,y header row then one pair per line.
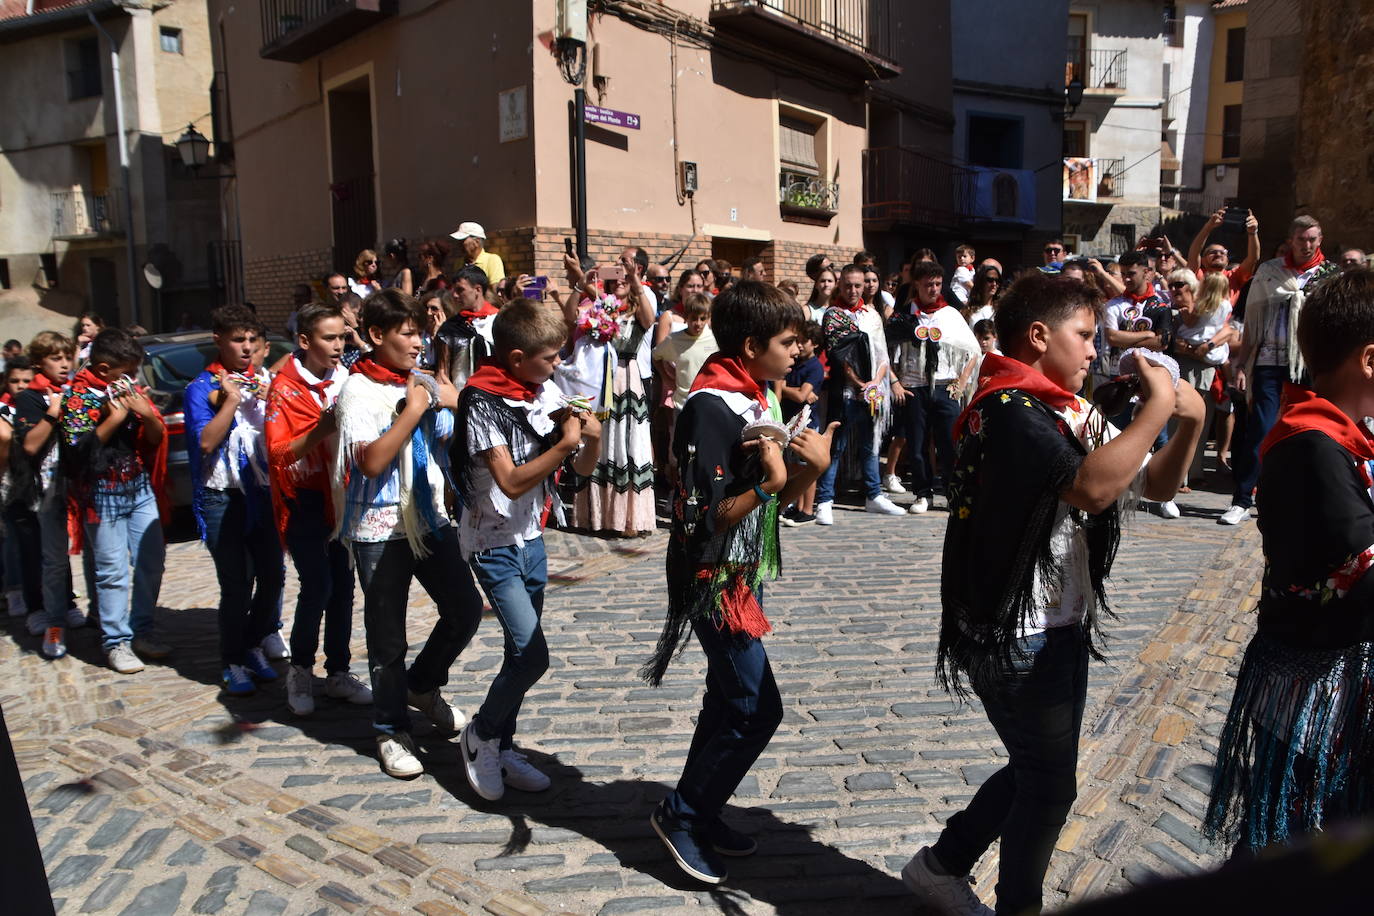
x,y
135,310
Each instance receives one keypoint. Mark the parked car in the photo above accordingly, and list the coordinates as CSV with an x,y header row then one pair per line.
x,y
171,361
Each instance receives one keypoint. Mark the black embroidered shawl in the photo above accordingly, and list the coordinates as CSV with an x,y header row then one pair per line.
x,y
492,410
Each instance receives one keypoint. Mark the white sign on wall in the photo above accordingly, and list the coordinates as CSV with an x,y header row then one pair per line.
x,y
513,114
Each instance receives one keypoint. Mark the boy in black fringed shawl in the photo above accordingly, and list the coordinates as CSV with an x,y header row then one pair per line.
x,y
722,547
1298,748
1034,521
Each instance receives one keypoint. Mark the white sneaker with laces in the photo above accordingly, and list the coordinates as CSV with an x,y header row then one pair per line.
x,y
398,756
274,647
881,505
300,690
825,514
482,763
343,686
14,600
940,893
893,484
919,506
1169,509
519,773
123,659
1234,515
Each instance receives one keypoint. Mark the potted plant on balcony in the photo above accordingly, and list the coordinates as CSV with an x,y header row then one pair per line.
x,y
808,198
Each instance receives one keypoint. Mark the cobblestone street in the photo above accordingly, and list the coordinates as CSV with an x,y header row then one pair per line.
x,y
155,794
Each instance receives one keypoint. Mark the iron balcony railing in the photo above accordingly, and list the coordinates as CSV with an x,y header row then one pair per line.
x,y
1098,68
1094,178
867,25
295,30
83,214
902,185
354,212
807,192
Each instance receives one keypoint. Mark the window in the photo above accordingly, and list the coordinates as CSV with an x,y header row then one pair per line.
x,y
83,67
171,39
1173,27
48,261
1230,132
797,146
4,273
994,142
1123,238
1075,139
1235,55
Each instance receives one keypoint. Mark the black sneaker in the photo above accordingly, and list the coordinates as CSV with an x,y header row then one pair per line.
x,y
789,517
697,861
728,841
803,518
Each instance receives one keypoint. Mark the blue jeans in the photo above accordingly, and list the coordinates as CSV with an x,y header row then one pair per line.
x,y
1037,710
927,411
1265,390
326,591
385,569
856,422
129,531
739,714
246,550
513,579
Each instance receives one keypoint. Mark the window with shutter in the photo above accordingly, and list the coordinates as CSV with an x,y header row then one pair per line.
x,y
797,146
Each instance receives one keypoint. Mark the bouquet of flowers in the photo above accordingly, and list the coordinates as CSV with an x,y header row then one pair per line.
x,y
599,322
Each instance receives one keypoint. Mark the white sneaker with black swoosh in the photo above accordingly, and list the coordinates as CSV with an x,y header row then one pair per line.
x,y
482,763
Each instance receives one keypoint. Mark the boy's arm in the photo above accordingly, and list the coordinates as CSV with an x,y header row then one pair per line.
x,y
813,448
1106,472
732,510
380,452
36,439
517,480
798,394
154,427
214,431
1123,339
1169,465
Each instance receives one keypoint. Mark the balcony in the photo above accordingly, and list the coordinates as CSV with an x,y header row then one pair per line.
x,y
1102,70
1094,180
807,199
903,187
854,37
80,215
296,30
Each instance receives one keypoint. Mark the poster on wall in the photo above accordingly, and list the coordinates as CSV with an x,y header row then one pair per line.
x,y
513,114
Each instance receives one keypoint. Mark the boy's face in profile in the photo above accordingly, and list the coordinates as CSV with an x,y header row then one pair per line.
x,y
535,367
16,380
697,324
806,348
237,348
324,344
1070,350
398,348
987,343
774,360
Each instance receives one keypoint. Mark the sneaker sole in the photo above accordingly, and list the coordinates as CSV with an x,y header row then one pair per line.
x,y
406,774
700,876
471,777
736,853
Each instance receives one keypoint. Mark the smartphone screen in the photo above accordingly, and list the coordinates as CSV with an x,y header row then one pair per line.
x,y
536,287
611,272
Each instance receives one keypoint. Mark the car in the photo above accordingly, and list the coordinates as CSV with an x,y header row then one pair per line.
x,y
170,362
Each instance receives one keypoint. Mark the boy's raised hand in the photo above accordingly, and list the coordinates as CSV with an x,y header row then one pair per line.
x,y
814,448
1157,385
772,463
417,396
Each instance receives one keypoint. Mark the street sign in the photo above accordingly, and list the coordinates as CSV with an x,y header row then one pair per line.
x,y
594,115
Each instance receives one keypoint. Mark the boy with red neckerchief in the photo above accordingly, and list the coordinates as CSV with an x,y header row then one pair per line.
x,y
299,427
465,340
1034,521
722,548
1297,751
114,455
388,482
225,407
512,435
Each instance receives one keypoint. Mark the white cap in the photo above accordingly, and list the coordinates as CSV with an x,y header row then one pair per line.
x,y
466,229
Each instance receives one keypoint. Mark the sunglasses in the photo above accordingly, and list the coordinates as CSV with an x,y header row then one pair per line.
x,y
1178,285
1053,249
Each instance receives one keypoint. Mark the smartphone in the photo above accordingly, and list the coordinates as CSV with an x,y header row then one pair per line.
x,y
1235,216
536,287
568,247
611,273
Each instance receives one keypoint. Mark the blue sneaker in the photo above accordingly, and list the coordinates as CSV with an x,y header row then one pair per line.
x,y
728,841
694,859
237,683
257,664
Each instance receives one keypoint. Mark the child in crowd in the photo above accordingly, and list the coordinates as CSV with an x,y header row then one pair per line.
x,y
38,493
299,426
986,333
389,508
512,436
722,547
683,353
225,410
804,384
19,555
1297,752
114,445
1035,506
961,284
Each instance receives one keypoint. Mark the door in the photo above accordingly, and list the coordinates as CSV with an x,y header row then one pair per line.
x,y
1077,61
104,290
352,186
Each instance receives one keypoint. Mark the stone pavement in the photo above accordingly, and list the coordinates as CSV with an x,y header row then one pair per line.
x,y
155,794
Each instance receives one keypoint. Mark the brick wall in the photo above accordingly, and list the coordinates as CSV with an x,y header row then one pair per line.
x,y
268,282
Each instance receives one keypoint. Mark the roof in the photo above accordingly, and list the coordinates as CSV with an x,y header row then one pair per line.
x,y
16,23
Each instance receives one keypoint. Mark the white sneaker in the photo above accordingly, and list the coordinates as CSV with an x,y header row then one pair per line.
x,y
893,484
445,718
825,513
14,600
274,647
883,506
1169,509
482,762
1234,515
123,659
919,506
519,773
939,893
300,690
343,686
37,623
398,756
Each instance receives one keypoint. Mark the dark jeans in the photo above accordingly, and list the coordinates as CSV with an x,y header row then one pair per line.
x,y
385,569
514,579
1264,390
326,579
856,421
246,550
1037,710
926,411
739,713
23,530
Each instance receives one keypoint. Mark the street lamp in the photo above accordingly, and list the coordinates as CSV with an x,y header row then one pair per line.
x,y
194,147
1073,94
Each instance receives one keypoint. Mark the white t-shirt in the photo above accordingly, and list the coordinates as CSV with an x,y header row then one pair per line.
x,y
962,276
222,471
1205,329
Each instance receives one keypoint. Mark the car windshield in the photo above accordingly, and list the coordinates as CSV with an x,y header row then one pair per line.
x,y
171,368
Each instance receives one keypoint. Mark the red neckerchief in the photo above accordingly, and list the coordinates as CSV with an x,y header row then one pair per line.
x,y
1303,410
482,311
377,372
931,309
1303,268
497,380
727,373
1147,295
1002,373
6,398
216,369
86,379
836,300
320,388
41,383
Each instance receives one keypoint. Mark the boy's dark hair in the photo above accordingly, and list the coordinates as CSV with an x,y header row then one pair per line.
x,y
696,304
115,347
983,327
312,314
352,299
474,275
749,263
389,309
922,270
1133,259
750,310
813,332
230,318
850,269
526,325
864,257
12,343
1337,320
1042,297
15,364
813,265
